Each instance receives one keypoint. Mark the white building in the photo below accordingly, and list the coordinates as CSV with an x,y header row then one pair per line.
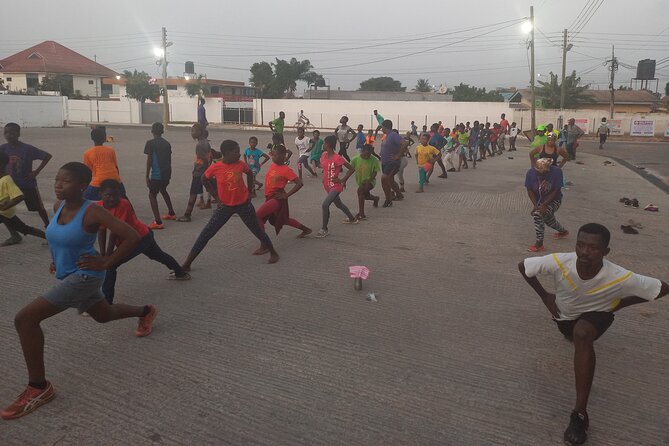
x,y
24,71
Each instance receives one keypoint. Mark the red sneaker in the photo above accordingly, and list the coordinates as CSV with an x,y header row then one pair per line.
x,y
144,327
28,401
155,225
169,217
535,248
561,235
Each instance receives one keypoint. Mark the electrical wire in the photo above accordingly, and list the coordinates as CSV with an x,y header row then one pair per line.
x,y
601,2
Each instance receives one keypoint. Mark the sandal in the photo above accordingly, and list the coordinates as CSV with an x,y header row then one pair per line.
x,y
173,276
651,207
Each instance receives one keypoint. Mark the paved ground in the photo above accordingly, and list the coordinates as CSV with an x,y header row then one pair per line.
x,y
457,350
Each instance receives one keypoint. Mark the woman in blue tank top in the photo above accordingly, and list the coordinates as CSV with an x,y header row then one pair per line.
x,y
80,270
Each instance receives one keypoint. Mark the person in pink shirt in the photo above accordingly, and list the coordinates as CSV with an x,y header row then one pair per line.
x,y
332,164
504,130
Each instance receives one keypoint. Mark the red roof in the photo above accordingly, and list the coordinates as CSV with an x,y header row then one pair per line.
x,y
52,57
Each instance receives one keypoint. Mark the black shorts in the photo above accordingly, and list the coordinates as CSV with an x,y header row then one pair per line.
x,y
391,167
602,138
196,187
601,320
156,186
32,198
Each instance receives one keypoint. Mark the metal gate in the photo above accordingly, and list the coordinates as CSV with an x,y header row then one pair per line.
x,y
237,115
151,113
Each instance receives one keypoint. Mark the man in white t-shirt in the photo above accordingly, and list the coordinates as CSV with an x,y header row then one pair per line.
x,y
604,131
589,289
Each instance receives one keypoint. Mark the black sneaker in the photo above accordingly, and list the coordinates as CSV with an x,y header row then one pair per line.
x,y
576,432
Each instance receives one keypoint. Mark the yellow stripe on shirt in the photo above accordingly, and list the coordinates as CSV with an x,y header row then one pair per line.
x,y
610,284
564,271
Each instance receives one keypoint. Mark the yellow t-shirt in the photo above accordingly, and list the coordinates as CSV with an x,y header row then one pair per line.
x,y
425,154
8,191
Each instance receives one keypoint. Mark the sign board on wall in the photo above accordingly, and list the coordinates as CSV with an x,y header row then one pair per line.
x,y
616,126
583,123
642,127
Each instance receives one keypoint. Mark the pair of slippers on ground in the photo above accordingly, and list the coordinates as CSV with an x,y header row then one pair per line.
x,y
635,204
631,227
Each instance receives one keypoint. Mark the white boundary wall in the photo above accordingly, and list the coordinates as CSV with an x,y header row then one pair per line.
x,y
92,110
33,111
325,113
594,118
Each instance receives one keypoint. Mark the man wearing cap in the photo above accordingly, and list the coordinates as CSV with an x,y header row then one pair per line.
x,y
544,183
573,133
540,137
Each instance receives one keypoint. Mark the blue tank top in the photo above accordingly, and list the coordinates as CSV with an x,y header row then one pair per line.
x,y
69,242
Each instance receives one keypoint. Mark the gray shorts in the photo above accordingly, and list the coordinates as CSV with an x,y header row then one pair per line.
x,y
79,291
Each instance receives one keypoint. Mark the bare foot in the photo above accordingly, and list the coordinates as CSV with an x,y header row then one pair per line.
x,y
260,251
306,231
273,258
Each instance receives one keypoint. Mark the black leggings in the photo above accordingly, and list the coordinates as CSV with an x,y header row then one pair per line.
x,y
343,150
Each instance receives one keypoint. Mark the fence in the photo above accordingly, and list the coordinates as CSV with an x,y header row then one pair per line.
x,y
33,111
95,110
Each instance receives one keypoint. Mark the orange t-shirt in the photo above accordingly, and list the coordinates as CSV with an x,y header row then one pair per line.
x,y
277,177
230,182
102,162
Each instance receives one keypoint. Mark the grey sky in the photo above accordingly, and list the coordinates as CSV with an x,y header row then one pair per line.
x,y
224,38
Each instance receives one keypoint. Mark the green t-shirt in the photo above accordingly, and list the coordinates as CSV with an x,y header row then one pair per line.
x,y
365,168
316,150
539,140
379,118
463,138
278,125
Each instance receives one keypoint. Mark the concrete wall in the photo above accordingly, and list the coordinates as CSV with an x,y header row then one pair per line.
x,y
594,117
326,113
80,84
92,110
185,109
33,111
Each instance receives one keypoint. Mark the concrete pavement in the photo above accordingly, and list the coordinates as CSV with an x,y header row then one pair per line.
x,y
457,351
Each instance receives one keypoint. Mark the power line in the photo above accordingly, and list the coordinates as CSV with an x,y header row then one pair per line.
x,y
579,15
601,2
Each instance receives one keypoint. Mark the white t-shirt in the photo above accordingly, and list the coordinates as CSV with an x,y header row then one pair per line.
x,y
342,133
513,131
302,145
575,296
603,128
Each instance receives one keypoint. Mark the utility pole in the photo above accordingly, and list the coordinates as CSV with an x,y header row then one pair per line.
x,y
614,68
532,75
563,89
166,106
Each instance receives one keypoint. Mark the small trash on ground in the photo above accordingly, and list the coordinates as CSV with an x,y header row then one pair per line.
x,y
609,163
358,273
580,162
640,167
510,157
627,229
634,224
651,207
568,183
371,297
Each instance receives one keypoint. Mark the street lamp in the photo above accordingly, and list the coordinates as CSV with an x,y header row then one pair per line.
x,y
528,28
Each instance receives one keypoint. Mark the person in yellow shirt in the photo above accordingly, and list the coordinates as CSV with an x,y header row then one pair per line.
x,y
10,196
426,156
102,161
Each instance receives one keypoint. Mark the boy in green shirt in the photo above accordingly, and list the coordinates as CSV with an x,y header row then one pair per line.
x,y
366,167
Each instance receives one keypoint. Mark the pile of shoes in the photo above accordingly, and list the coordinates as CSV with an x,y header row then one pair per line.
x,y
630,202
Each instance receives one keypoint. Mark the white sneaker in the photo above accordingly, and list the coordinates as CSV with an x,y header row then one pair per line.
x,y
322,233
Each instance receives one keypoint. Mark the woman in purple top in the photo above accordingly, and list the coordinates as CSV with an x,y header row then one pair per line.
x,y
391,154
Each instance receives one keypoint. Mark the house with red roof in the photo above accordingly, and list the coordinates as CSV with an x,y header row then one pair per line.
x,y
24,71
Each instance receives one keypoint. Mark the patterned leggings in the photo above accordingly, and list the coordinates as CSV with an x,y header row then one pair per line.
x,y
221,216
548,219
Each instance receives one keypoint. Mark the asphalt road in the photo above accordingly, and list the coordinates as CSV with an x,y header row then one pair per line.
x,y
457,350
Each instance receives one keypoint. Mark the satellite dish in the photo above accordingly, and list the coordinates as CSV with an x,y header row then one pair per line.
x,y
442,89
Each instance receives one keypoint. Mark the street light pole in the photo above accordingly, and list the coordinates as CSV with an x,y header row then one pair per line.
x,y
532,75
166,106
563,90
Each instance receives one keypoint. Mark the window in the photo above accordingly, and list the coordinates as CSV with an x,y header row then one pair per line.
x,y
9,79
90,82
171,87
214,90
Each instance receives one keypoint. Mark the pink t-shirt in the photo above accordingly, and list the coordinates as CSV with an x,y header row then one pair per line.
x,y
331,170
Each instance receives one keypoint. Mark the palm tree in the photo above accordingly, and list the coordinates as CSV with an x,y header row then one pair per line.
x,y
575,93
423,85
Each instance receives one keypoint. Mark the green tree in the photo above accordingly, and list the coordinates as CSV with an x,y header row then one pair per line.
x,y
280,78
383,83
138,85
58,82
423,85
262,78
575,93
195,87
466,93
314,79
